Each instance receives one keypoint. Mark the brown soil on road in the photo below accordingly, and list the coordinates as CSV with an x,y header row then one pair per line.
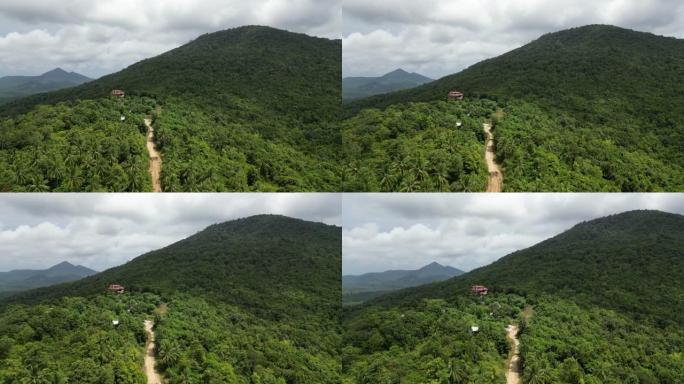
x,y
150,361
495,176
155,158
513,369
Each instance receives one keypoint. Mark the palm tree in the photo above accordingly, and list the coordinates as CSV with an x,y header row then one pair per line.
x,y
169,353
38,184
457,372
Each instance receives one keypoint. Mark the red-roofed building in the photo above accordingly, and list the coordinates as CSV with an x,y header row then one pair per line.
x,y
455,95
115,288
118,93
479,289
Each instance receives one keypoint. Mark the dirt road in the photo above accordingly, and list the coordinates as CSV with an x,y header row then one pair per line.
x,y
150,361
495,176
155,157
513,372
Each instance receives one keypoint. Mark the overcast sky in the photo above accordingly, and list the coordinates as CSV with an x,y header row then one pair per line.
x,y
441,37
104,230
97,37
408,231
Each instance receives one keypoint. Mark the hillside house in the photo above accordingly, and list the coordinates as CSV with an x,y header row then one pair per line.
x,y
479,289
118,93
116,288
455,95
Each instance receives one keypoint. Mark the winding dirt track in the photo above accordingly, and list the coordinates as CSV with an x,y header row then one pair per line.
x,y
150,361
513,372
495,176
155,157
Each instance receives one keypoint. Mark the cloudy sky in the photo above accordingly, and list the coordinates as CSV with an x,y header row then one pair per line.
x,y
407,231
441,37
104,230
97,37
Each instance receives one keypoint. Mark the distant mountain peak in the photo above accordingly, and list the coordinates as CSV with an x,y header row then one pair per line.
x,y
434,266
396,279
57,70
23,279
63,264
357,87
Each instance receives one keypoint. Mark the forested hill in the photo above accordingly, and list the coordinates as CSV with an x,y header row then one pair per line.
x,y
254,301
273,266
619,68
631,262
246,109
285,72
594,108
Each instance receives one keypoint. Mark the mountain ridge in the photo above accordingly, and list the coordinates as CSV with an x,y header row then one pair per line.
x,y
355,87
14,87
25,279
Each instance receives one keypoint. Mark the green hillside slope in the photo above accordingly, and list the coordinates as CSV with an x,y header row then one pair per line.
x,y
251,108
600,103
254,300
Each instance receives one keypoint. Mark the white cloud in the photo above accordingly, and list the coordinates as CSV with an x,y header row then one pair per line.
x,y
103,230
97,37
440,37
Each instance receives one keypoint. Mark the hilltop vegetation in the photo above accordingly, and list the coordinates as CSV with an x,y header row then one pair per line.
x,y
244,149
567,343
254,300
540,151
596,108
73,340
77,146
246,109
417,147
429,342
605,301
208,342
561,343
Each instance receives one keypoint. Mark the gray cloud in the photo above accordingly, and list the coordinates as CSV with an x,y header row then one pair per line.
x,y
441,37
96,37
103,230
390,231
